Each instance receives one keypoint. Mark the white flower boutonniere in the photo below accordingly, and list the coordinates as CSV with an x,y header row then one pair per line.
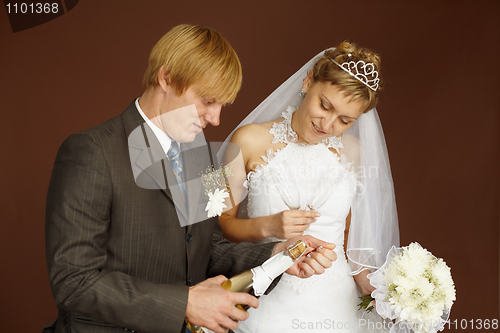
x,y
215,203
216,189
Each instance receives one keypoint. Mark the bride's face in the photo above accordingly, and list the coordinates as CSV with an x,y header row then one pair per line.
x,y
325,112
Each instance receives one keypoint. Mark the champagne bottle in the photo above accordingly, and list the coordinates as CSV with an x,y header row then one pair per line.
x,y
258,279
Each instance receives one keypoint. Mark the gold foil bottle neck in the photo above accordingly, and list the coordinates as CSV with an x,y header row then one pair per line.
x,y
296,250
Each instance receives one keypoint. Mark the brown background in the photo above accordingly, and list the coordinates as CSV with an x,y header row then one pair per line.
x,y
439,110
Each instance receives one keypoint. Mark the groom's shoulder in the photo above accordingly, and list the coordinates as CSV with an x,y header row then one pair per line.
x,y
116,125
105,131
106,135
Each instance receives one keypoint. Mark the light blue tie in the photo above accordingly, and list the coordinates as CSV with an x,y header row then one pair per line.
x,y
175,161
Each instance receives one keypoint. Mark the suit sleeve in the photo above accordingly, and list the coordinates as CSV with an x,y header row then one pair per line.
x,y
78,220
229,258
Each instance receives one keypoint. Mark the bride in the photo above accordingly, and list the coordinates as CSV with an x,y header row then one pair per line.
x,y
312,159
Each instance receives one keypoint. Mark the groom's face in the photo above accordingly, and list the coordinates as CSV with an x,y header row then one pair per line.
x,y
186,115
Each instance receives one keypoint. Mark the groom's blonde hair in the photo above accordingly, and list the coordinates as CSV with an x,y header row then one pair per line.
x,y
195,55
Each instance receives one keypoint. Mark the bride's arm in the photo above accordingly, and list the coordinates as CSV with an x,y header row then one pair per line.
x,y
363,282
361,279
242,230
282,225
236,158
246,143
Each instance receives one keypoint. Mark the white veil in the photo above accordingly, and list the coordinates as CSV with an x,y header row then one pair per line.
x,y
374,224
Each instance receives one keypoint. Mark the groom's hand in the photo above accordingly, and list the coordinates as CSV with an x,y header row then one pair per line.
x,y
211,306
319,256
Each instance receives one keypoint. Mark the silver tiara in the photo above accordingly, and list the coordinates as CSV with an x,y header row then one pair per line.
x,y
361,71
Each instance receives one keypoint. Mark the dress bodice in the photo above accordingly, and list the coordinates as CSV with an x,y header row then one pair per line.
x,y
304,176
307,176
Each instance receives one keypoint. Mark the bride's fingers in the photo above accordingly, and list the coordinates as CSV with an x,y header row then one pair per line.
x,y
300,228
329,254
292,218
303,222
323,259
293,233
316,243
317,267
306,269
295,230
305,214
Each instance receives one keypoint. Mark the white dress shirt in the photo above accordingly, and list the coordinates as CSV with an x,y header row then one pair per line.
x,y
162,137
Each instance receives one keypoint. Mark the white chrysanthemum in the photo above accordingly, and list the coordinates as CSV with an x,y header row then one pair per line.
x,y
419,287
391,272
215,203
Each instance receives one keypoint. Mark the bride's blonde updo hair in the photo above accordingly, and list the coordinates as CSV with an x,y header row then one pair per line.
x,y
325,70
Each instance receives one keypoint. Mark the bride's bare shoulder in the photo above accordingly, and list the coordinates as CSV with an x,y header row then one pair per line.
x,y
254,133
350,140
351,148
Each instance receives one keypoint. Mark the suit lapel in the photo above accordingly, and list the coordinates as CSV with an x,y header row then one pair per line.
x,y
150,150
146,153
193,165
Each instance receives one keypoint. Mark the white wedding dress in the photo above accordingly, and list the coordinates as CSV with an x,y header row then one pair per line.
x,y
298,176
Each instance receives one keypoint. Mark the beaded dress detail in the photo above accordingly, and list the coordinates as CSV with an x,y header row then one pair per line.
x,y
306,176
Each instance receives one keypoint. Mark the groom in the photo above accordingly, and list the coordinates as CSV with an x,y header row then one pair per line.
x,y
123,251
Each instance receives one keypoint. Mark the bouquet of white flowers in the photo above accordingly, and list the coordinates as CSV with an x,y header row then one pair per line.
x,y
415,288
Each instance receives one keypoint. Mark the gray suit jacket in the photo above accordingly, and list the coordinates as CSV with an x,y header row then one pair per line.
x,y
118,257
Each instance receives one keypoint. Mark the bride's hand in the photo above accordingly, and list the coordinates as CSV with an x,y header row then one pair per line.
x,y
289,223
319,256
363,282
